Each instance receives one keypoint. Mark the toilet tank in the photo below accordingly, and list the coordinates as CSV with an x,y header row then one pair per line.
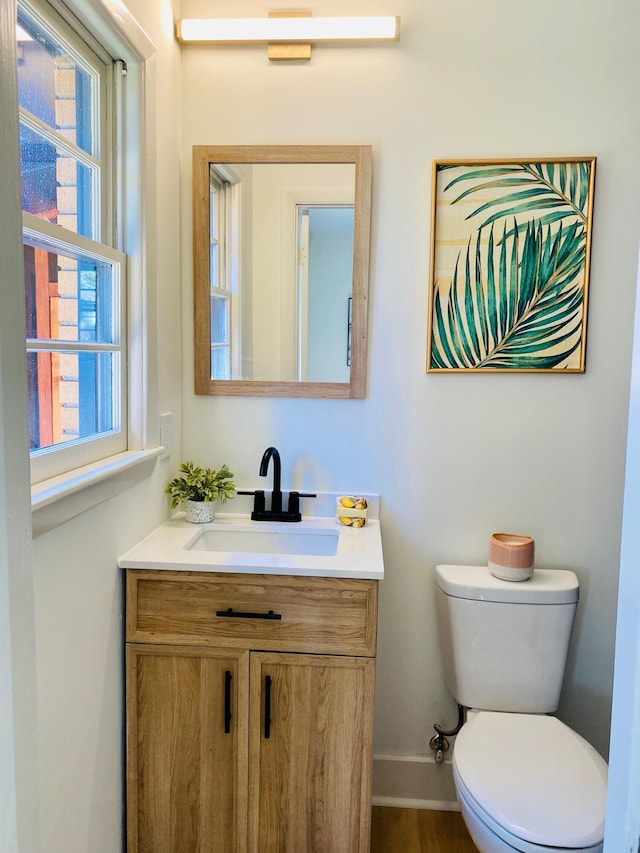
x,y
504,644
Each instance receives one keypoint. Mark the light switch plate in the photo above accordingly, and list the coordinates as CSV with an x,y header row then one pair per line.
x,y
166,433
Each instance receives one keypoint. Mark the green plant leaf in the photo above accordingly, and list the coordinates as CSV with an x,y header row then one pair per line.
x,y
532,190
462,337
528,207
447,357
201,484
482,172
562,187
479,297
491,304
469,305
524,314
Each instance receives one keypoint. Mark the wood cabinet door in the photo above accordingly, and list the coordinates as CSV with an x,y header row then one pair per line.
x,y
310,753
187,744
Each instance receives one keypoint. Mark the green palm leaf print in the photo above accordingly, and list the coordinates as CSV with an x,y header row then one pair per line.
x,y
517,294
515,300
561,190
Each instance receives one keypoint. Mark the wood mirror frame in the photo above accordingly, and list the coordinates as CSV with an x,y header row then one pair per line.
x,y
203,156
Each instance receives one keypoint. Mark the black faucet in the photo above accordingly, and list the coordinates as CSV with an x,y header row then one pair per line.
x,y
275,511
276,493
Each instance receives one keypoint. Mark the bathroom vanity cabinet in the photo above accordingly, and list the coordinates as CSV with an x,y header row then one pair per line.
x,y
249,712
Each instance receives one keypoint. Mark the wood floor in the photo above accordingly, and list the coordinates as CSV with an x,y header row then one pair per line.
x,y
418,831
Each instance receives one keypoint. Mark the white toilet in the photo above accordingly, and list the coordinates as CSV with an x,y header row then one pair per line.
x,y
525,781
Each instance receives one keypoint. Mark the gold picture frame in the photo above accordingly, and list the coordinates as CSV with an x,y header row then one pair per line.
x,y
510,257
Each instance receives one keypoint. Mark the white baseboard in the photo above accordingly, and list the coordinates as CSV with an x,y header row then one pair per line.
x,y
427,805
413,782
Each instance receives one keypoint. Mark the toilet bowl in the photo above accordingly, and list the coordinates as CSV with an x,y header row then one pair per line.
x,y
528,783
525,781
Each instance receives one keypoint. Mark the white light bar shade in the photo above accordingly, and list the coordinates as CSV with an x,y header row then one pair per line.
x,y
272,30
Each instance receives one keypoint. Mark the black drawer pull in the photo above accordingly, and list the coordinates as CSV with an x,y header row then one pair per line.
x,y
227,701
267,706
238,614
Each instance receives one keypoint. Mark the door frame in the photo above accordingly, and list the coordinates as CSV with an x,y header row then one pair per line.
x,y
622,830
292,198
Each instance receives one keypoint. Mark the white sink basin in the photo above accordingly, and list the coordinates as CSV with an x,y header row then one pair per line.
x,y
317,545
257,540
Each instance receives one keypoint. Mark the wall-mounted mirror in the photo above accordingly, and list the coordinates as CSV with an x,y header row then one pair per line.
x,y
281,267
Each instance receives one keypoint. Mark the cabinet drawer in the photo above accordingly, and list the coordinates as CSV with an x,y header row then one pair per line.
x,y
308,614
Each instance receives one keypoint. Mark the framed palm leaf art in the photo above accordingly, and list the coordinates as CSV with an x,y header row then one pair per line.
x,y
510,250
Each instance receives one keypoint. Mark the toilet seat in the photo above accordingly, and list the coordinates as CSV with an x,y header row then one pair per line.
x,y
485,831
533,780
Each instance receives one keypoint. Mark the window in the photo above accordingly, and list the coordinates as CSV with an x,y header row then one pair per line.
x,y
218,265
224,270
75,274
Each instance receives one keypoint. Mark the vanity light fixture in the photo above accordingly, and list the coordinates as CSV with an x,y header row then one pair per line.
x,y
289,34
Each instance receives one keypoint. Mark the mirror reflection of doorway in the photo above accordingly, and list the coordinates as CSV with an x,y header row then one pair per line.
x,y
325,272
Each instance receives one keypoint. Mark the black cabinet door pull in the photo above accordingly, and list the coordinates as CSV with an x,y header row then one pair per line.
x,y
227,701
267,706
230,613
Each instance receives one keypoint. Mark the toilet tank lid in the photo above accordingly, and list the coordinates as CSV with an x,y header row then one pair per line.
x,y
546,586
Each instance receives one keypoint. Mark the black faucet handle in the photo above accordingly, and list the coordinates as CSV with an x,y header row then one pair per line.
x,y
258,500
293,506
258,494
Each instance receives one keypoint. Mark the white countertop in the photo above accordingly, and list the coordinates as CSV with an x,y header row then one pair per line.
x,y
358,554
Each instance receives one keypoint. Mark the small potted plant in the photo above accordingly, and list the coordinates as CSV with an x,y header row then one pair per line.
x,y
199,488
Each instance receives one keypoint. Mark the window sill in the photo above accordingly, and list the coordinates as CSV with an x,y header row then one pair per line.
x,y
61,498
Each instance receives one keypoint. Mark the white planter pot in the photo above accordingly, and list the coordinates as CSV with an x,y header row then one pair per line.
x,y
199,512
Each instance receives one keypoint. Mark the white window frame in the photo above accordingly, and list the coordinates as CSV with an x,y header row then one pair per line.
x,y
47,462
219,209
57,499
226,180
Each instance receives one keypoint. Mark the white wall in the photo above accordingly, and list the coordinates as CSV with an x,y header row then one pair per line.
x,y
455,457
19,823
